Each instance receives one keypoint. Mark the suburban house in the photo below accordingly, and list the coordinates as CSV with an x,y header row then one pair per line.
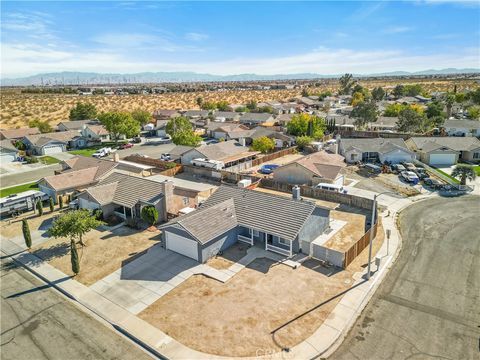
x,y
196,114
77,174
383,123
281,140
125,196
445,150
161,127
275,223
177,152
392,150
53,143
164,114
224,130
229,152
319,167
187,194
462,127
8,152
76,124
95,133
283,119
17,134
264,119
222,116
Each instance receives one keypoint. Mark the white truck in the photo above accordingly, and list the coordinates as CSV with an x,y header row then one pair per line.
x,y
103,152
206,163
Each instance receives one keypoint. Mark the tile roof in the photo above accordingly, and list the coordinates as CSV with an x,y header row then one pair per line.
x,y
132,189
322,164
381,145
18,133
224,150
220,218
467,124
62,136
195,113
82,162
276,215
454,143
78,124
227,114
262,117
98,129
73,179
7,145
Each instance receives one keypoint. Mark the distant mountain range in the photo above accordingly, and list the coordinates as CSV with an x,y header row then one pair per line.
x,y
83,78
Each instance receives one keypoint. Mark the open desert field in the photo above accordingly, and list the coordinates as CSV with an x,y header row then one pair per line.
x,y
17,108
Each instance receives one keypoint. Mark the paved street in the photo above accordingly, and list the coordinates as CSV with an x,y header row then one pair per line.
x,y
150,149
28,176
38,323
428,305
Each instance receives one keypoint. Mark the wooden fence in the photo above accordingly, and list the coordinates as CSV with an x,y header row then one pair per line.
x,y
275,155
359,246
165,166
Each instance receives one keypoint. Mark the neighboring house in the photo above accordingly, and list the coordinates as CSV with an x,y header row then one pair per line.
x,y
178,151
164,114
445,150
8,152
392,150
342,121
383,123
77,174
229,152
283,119
95,133
222,116
224,131
231,214
125,196
264,119
196,114
17,134
83,162
319,167
462,127
76,124
310,101
186,193
161,127
53,143
281,140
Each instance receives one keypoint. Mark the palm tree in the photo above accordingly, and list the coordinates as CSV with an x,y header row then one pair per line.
x,y
464,172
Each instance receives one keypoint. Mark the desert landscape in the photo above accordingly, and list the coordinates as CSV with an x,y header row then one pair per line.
x,y
18,108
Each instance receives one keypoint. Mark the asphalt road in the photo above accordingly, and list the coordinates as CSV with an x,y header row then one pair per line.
x,y
28,176
38,323
428,306
151,149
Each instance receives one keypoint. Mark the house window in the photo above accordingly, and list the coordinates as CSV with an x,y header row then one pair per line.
x,y
185,200
352,156
476,155
255,232
283,241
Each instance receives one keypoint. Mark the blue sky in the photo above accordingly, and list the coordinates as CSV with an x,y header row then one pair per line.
x,y
238,37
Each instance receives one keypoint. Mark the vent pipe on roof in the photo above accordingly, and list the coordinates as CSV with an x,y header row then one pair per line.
x,y
296,193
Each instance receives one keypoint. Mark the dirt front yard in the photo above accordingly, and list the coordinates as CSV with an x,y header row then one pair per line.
x,y
251,312
229,257
105,252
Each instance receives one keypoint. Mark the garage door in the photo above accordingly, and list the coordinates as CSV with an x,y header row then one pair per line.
x,y
53,149
6,158
181,245
442,159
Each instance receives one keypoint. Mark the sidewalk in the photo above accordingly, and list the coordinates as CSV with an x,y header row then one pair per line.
x,y
323,342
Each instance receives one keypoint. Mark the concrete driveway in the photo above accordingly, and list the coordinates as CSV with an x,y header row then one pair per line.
x,y
140,283
427,306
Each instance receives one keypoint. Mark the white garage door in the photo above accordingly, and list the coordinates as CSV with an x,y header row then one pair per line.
x,y
6,158
53,149
442,159
181,245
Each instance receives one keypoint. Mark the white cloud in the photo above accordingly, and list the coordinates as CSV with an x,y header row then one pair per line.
x,y
193,36
17,59
397,29
30,24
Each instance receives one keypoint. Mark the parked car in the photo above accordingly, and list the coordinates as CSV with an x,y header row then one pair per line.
x,y
375,169
410,176
73,205
409,166
165,140
268,168
165,157
398,168
331,187
421,173
126,146
433,183
136,140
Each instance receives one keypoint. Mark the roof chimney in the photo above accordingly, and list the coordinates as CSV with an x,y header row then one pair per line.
x,y
296,192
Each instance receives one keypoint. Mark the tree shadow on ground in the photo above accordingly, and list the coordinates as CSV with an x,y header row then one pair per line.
x,y
318,267
45,254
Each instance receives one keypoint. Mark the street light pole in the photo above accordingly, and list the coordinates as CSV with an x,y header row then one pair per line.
x,y
372,224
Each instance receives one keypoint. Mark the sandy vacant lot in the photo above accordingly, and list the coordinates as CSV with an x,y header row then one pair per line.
x,y
237,318
104,252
